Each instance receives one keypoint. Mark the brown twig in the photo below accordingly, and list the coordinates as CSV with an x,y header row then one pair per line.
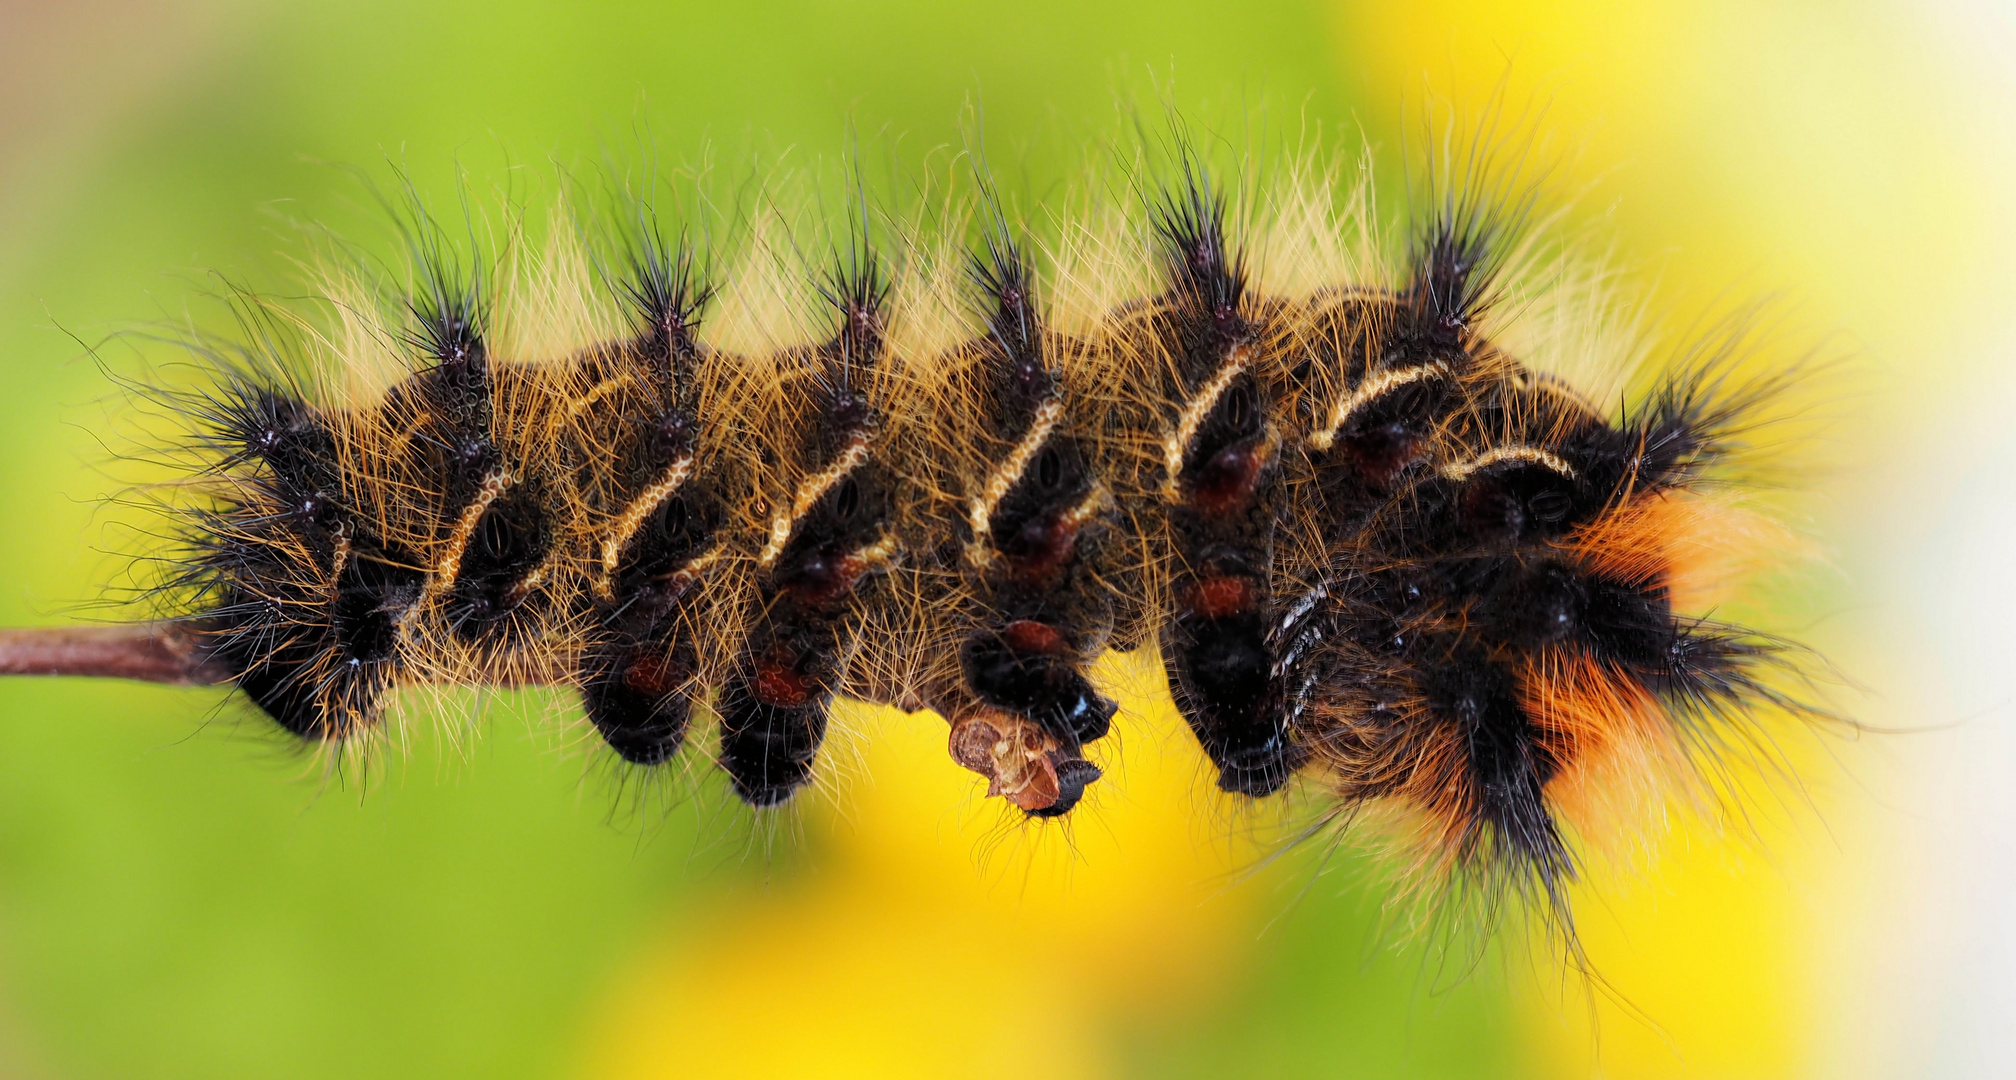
x,y
166,652
161,652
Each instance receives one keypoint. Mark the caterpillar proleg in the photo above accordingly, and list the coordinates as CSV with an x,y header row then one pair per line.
x,y
1300,456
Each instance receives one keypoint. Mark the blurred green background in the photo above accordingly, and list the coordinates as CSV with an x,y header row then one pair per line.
x,y
181,897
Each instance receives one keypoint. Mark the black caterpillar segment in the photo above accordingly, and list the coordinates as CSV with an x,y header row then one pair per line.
x,y
831,536
1370,544
655,511
1222,485
1036,565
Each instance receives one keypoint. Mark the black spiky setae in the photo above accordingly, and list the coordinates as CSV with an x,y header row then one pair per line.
x,y
1371,546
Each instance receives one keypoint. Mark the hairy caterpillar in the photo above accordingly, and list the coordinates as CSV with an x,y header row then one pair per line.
x,y
1372,543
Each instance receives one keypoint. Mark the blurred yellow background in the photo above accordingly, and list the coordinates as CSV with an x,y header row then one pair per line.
x,y
179,898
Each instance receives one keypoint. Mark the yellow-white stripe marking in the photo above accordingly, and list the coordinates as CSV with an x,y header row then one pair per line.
x,y
633,516
449,565
1371,390
1461,470
1193,416
850,458
981,514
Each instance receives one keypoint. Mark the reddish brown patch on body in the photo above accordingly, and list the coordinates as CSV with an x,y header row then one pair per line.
x,y
1027,636
1379,456
1228,482
820,580
1039,550
649,673
1221,597
779,685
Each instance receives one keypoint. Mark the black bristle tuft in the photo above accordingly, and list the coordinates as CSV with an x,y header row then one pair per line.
x,y
857,289
1697,419
668,291
448,318
1478,207
1370,542
1006,284
1458,256
1208,277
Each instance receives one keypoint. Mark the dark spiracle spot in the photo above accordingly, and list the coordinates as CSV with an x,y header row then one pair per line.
x,y
846,501
1234,418
1516,501
670,519
1036,525
1049,469
1551,507
511,539
1238,406
495,536
645,587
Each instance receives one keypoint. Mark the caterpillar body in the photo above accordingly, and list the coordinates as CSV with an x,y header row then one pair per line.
x,y
1372,544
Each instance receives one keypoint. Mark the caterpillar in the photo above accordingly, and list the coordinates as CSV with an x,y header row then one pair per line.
x,y
1373,544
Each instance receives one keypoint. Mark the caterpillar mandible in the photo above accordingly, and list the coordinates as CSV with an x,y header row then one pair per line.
x,y
1372,543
